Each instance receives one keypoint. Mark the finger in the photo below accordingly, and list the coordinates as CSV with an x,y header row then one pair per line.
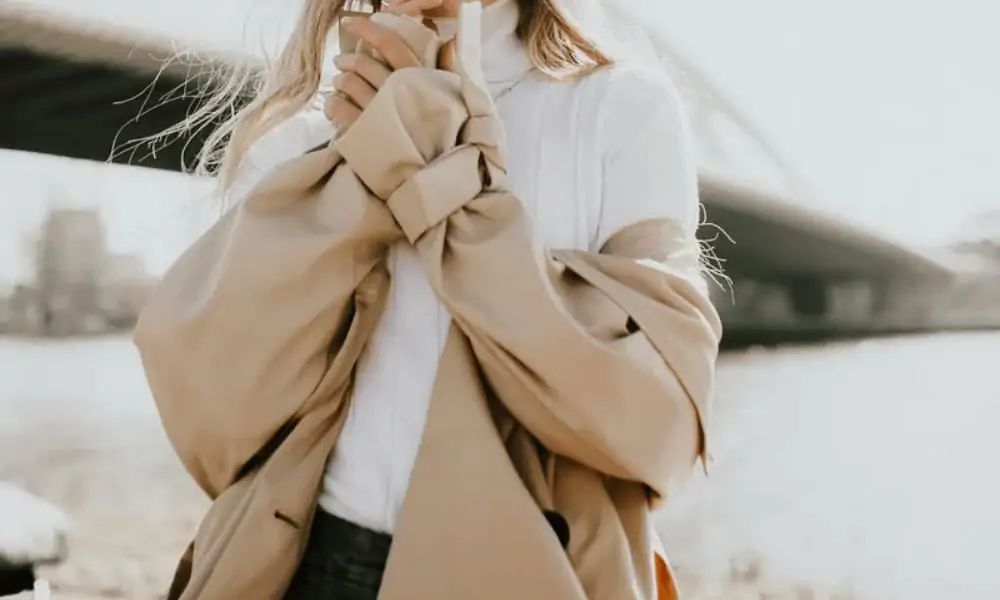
x,y
414,7
385,41
426,8
374,72
341,111
357,90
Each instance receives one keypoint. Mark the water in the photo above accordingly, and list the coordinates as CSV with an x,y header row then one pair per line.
x,y
871,464
868,464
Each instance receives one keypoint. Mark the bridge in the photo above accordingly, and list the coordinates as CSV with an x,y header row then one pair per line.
x,y
81,89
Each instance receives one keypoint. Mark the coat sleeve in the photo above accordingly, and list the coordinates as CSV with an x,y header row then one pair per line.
x,y
240,336
606,357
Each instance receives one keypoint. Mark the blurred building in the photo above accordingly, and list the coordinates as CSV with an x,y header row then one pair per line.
x,y
5,310
977,246
69,257
124,287
80,287
23,315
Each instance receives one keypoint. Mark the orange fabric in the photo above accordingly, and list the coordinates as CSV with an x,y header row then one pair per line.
x,y
666,585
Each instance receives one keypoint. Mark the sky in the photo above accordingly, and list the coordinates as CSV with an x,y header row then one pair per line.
x,y
888,108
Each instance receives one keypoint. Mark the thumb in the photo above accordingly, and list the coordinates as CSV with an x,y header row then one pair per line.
x,y
446,56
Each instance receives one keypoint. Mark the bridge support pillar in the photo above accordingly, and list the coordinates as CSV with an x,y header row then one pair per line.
x,y
809,296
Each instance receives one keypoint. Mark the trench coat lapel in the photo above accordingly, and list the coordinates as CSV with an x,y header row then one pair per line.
x,y
468,527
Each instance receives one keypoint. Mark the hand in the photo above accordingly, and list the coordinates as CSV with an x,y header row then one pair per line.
x,y
430,9
361,76
425,8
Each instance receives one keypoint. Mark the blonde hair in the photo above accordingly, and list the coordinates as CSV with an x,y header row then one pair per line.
x,y
248,103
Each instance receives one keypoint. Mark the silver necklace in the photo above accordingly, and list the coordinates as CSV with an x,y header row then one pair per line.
x,y
510,88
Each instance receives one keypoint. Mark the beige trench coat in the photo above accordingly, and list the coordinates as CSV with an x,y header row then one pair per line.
x,y
572,383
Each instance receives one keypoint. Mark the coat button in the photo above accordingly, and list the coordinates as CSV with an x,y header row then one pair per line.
x,y
559,525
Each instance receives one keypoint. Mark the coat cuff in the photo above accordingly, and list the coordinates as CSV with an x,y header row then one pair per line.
x,y
421,190
430,195
379,148
444,186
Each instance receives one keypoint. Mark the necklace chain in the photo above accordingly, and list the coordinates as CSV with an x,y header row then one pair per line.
x,y
503,92
510,88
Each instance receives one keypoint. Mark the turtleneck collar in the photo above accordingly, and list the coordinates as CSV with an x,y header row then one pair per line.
x,y
505,58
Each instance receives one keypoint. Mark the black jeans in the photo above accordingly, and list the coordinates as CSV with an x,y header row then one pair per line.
x,y
342,561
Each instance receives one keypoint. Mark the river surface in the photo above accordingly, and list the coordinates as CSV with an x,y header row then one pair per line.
x,y
868,465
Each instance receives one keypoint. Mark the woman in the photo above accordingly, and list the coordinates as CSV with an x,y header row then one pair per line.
x,y
499,420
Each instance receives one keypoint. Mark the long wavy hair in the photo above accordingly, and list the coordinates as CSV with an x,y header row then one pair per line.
x,y
245,103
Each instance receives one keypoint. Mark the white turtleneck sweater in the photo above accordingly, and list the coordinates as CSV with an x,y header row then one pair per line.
x,y
586,158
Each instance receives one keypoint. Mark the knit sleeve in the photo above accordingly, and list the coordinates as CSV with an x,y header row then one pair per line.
x,y
289,139
649,169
